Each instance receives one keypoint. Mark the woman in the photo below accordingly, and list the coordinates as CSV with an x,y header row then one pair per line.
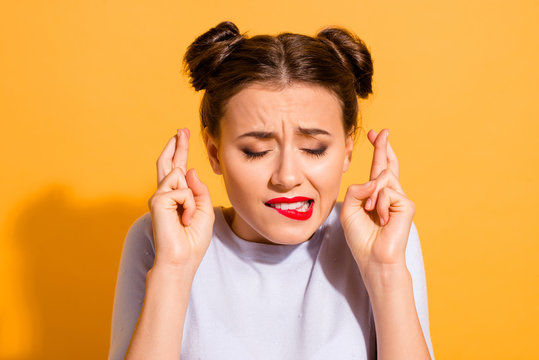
x,y
286,272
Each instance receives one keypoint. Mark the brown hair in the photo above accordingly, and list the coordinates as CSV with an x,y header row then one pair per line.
x,y
222,62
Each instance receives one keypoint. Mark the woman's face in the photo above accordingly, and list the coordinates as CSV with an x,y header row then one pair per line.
x,y
281,149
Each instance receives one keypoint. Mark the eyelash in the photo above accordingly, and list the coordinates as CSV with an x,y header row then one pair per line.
x,y
317,152
254,155
313,152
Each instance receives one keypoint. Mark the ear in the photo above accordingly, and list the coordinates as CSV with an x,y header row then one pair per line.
x,y
213,151
348,147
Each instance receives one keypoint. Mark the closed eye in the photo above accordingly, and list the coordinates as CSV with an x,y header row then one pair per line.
x,y
254,155
316,152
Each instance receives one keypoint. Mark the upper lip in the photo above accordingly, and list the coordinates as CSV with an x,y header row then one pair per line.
x,y
288,200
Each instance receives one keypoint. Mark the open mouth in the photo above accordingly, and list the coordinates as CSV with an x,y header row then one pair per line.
x,y
298,208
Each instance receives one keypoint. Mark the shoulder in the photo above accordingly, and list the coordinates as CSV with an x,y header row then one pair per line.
x,y
414,256
142,224
138,243
141,228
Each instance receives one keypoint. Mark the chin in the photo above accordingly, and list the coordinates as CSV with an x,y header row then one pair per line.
x,y
289,232
290,236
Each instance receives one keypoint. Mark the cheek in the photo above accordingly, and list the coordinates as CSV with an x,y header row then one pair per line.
x,y
326,175
329,164
241,176
327,180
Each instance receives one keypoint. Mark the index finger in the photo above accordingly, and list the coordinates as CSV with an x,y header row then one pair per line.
x,y
164,162
379,160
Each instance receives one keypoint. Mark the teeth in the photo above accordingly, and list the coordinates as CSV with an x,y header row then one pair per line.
x,y
300,206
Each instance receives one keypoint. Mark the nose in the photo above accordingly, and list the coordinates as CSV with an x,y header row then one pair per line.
x,y
287,172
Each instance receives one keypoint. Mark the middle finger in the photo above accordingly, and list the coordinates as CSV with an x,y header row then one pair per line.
x,y
379,160
182,150
392,161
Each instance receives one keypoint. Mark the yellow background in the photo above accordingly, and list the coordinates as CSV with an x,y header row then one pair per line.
x,y
92,90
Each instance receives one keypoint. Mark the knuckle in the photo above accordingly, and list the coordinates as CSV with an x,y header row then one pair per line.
x,y
350,191
189,194
186,194
412,205
162,198
374,188
154,200
353,188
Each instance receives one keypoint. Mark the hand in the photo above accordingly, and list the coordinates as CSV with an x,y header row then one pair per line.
x,y
377,216
181,208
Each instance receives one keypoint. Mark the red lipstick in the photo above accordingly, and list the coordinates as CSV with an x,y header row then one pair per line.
x,y
288,200
292,213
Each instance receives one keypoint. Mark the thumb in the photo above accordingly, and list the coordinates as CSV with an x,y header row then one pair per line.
x,y
200,191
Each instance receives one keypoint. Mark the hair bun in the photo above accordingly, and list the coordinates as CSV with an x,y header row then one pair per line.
x,y
353,53
208,51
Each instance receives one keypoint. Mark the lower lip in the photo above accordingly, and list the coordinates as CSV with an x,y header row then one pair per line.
x,y
296,215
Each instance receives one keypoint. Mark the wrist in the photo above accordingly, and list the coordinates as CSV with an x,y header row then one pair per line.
x,y
398,330
172,271
382,280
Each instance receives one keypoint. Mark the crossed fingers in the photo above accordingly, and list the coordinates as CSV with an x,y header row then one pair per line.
x,y
384,168
384,156
174,155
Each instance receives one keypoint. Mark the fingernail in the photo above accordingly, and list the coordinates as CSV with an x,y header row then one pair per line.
x,y
382,222
368,204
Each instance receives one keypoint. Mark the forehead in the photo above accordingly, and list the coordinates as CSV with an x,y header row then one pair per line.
x,y
259,107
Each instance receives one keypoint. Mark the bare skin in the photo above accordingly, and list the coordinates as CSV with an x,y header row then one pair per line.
x,y
376,232
180,244
377,217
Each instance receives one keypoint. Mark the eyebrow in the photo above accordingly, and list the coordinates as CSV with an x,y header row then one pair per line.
x,y
269,134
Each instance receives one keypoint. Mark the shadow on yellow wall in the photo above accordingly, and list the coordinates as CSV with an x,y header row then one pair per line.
x,y
70,250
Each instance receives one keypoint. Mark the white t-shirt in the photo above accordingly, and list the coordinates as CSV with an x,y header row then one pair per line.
x,y
261,301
